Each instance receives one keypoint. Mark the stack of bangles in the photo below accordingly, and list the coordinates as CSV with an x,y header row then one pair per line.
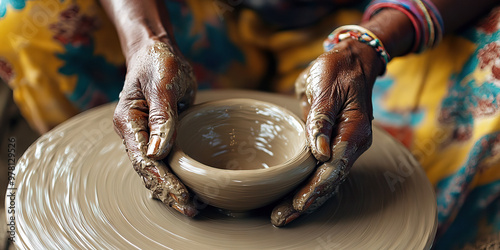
x,y
424,16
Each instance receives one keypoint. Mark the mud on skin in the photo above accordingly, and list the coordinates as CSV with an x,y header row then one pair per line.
x,y
335,93
158,85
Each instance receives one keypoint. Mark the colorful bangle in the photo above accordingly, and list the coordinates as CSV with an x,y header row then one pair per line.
x,y
379,6
438,20
430,24
423,15
360,34
410,9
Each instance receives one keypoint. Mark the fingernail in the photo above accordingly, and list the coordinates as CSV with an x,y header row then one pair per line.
x,y
292,217
154,146
283,213
309,202
174,197
323,145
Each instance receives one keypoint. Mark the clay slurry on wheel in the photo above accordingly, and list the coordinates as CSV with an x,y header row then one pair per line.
x,y
77,189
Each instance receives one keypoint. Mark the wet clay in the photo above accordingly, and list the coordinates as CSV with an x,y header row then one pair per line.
x,y
240,134
240,154
77,189
146,115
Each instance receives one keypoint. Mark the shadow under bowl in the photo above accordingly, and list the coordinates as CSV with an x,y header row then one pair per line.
x,y
240,154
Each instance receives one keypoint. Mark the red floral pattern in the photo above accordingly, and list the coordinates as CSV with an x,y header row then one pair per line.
x,y
491,23
6,71
489,56
403,134
485,107
73,27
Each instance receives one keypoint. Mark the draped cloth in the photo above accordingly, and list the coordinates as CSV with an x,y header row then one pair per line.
x,y
64,57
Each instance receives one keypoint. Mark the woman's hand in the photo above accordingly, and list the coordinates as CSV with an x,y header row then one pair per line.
x,y
158,85
335,92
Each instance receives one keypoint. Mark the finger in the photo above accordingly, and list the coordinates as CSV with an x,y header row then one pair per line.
x,y
130,121
164,185
162,124
305,106
284,213
187,86
187,208
162,118
319,124
300,91
352,136
171,88
326,97
301,81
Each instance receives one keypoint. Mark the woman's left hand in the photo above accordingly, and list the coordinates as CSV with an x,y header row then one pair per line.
x,y
335,92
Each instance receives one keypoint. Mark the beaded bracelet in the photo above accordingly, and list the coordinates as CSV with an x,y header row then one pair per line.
x,y
424,16
357,33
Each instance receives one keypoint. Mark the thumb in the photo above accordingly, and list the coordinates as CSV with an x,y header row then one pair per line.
x,y
162,123
171,88
320,122
162,96
351,137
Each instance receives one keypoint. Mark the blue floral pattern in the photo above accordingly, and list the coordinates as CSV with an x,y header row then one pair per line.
x,y
467,99
98,81
16,4
467,211
216,53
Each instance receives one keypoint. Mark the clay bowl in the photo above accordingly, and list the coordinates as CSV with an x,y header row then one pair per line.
x,y
240,154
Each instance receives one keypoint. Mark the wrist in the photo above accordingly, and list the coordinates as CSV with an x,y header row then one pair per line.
x,y
368,59
139,24
361,35
143,43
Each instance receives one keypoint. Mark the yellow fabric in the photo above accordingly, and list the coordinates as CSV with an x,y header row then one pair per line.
x,y
27,44
421,81
418,101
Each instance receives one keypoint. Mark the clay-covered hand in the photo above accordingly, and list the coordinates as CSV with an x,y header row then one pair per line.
x,y
158,85
335,92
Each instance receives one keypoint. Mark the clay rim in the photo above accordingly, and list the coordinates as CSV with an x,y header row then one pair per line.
x,y
177,155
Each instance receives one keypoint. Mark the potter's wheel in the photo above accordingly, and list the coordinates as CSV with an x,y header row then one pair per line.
x,y
76,189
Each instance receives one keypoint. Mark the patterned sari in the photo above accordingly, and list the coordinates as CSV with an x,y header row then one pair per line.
x,y
63,57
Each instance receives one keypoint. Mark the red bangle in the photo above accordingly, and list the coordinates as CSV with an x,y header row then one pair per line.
x,y
372,8
424,16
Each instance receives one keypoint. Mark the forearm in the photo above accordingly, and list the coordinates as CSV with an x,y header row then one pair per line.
x,y
396,31
139,22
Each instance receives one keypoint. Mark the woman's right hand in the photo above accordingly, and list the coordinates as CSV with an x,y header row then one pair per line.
x,y
159,84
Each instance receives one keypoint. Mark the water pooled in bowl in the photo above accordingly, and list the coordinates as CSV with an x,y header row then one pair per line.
x,y
240,138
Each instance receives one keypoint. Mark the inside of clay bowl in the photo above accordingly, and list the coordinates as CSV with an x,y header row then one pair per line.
x,y
240,134
240,154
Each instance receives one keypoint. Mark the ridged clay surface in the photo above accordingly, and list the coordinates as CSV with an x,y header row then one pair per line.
x,y
77,189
